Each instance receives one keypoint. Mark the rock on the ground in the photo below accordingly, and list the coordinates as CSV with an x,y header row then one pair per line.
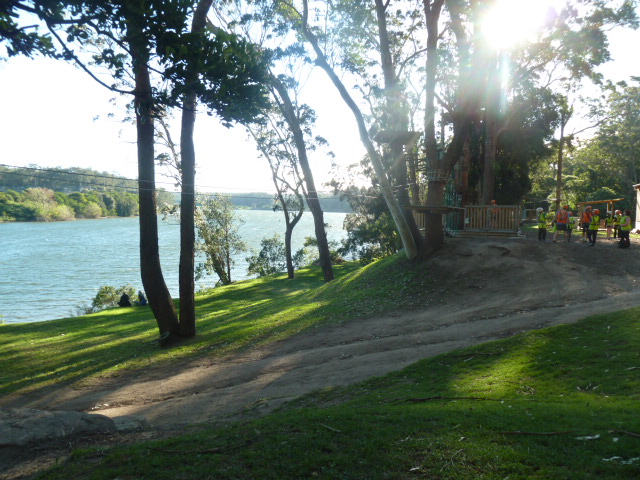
x,y
20,426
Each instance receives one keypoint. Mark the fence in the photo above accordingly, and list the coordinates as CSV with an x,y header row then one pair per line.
x,y
485,219
492,218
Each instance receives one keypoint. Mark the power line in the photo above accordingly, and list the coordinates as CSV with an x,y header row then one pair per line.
x,y
137,188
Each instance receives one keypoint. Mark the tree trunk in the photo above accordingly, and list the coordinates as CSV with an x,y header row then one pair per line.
x,y
491,123
490,148
432,14
311,192
408,242
187,219
468,103
186,269
563,124
151,272
437,182
289,222
287,249
434,237
396,121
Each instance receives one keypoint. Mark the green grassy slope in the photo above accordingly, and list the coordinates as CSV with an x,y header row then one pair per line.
x,y
557,403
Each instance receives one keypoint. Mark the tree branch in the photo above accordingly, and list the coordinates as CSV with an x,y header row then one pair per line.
x,y
78,62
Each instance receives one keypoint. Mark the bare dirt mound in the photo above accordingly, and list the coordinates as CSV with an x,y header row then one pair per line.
x,y
487,289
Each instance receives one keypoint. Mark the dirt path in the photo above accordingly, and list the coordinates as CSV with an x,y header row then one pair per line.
x,y
489,289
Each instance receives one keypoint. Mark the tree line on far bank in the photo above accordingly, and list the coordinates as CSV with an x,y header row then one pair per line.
x,y
36,194
46,205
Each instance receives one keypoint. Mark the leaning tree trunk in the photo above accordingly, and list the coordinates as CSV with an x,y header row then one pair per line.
x,y
311,192
404,231
397,121
151,272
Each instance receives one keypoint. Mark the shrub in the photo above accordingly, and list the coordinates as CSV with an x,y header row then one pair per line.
x,y
107,297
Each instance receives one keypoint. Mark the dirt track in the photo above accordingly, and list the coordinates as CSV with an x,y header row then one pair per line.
x,y
490,289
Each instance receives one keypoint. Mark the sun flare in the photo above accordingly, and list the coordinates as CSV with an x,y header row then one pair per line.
x,y
510,22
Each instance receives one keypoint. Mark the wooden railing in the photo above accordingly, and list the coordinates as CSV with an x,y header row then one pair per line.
x,y
492,218
485,219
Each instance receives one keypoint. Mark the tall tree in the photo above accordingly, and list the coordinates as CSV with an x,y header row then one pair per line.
x,y
141,36
228,75
218,226
260,24
311,193
300,20
273,140
188,190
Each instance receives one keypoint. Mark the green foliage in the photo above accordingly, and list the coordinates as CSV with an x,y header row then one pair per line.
x,y
605,166
13,211
533,118
371,232
308,254
219,240
370,235
44,205
126,205
270,259
231,72
108,297
19,40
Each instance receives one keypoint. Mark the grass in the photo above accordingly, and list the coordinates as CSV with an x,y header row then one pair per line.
x,y
229,319
558,403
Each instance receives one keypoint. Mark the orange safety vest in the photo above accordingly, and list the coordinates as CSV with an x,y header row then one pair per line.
x,y
562,217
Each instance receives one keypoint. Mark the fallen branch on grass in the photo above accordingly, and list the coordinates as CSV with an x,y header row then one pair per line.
x,y
430,399
518,432
330,428
211,451
637,435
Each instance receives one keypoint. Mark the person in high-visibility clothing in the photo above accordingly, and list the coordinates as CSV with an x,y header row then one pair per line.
x,y
585,221
616,223
561,221
608,222
592,233
625,229
542,224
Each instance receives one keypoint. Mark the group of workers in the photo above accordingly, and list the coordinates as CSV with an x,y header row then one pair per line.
x,y
617,224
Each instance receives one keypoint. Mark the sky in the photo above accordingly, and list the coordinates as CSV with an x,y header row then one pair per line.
x,y
54,115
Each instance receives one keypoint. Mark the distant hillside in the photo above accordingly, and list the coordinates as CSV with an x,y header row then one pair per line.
x,y
265,201
70,180
65,180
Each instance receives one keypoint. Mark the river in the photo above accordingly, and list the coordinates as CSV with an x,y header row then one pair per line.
x,y
48,269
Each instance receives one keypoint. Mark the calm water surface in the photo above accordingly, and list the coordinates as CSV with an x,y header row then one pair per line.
x,y
47,269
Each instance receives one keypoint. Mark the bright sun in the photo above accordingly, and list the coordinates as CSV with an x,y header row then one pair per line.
x,y
510,22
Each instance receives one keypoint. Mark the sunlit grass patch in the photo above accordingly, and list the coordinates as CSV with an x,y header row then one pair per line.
x,y
229,319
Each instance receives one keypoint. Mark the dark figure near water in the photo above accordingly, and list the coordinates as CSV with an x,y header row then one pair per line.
x,y
142,300
124,301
